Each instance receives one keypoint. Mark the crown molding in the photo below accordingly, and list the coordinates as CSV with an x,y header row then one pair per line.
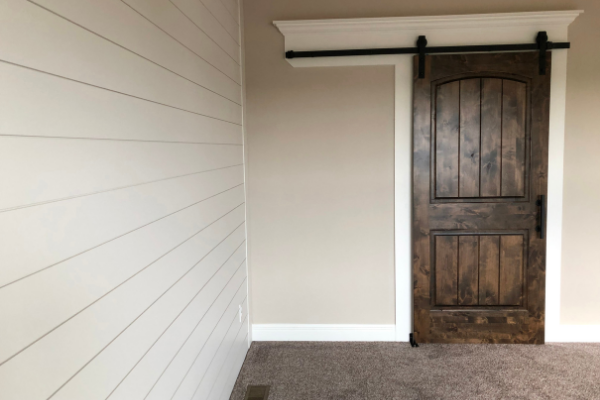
x,y
428,22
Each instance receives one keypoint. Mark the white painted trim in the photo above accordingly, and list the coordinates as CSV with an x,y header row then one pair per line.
x,y
372,25
403,31
443,31
402,195
245,142
323,333
556,150
575,334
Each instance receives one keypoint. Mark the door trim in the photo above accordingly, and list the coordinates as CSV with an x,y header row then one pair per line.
x,y
441,31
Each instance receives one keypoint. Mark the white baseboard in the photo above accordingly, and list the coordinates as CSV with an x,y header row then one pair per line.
x,y
387,333
574,334
323,333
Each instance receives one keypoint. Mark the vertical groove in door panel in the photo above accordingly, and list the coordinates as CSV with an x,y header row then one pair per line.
x,y
446,140
468,267
511,267
446,270
489,270
491,132
513,138
469,138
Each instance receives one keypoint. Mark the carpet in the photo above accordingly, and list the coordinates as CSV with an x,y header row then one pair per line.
x,y
395,371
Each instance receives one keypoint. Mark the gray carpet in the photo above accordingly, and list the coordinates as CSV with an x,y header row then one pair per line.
x,y
394,371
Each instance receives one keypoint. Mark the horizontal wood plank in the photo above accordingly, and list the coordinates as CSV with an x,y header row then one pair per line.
x,y
233,8
226,35
123,215
115,21
54,169
149,369
64,108
73,344
237,346
103,219
215,365
222,14
174,22
197,289
58,293
242,350
49,43
196,353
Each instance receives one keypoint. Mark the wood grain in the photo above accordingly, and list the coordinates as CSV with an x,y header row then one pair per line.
x,y
447,139
421,235
489,269
468,270
511,270
491,136
469,137
446,270
492,220
513,138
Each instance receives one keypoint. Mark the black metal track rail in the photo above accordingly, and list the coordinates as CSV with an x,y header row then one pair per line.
x,y
542,45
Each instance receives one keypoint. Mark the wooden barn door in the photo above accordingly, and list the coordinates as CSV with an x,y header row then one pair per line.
x,y
480,167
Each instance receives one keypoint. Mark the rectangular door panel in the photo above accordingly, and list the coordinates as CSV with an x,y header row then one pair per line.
x,y
478,270
480,140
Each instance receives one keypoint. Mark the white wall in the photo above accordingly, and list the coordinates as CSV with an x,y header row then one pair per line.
x,y
122,213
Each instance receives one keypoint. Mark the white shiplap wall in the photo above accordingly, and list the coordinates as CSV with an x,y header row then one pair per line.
x,y
122,211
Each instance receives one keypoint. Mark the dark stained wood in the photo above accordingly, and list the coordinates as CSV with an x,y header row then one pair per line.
x,y
491,135
470,103
514,98
468,270
480,139
446,139
446,270
421,234
489,269
511,268
503,219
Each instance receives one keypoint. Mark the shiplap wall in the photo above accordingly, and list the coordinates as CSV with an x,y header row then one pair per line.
x,y
122,213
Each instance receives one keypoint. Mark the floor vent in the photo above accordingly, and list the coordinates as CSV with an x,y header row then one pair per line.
x,y
257,392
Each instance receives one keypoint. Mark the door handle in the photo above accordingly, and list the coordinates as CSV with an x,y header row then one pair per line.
x,y
541,203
